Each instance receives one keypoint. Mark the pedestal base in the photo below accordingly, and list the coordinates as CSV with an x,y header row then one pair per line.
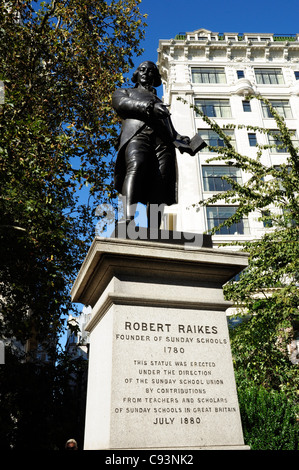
x,y
160,368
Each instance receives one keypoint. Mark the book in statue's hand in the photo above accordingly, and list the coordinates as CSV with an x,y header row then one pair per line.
x,y
195,145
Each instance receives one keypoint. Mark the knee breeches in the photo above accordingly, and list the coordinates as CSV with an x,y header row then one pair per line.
x,y
150,171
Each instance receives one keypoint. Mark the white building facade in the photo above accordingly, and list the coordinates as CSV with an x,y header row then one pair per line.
x,y
216,72
77,343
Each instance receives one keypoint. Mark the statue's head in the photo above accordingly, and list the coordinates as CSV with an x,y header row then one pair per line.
x,y
147,74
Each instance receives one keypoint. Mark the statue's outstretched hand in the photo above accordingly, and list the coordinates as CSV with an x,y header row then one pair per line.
x,y
184,138
182,143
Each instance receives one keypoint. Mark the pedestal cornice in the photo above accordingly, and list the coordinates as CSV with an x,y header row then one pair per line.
x,y
109,257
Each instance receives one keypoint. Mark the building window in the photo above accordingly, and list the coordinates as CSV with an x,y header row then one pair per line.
x,y
267,221
217,215
246,106
213,177
288,218
240,74
214,140
274,140
280,181
208,75
269,76
252,139
214,108
282,107
296,75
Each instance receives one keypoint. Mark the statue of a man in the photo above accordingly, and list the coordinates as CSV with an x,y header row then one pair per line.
x,y
145,169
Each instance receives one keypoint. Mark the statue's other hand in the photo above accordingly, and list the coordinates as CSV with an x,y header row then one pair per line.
x,y
160,110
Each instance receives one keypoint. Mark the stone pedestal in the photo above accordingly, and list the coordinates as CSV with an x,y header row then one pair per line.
x,y
160,367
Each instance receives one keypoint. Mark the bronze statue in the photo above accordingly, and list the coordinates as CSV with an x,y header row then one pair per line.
x,y
145,169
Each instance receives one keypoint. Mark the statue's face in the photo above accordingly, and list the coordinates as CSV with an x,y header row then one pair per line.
x,y
146,74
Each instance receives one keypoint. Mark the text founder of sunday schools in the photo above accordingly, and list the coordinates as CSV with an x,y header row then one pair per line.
x,y
145,169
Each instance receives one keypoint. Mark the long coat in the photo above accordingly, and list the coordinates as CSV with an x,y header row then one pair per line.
x,y
132,105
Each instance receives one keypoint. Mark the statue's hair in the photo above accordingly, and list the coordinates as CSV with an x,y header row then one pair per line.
x,y
157,80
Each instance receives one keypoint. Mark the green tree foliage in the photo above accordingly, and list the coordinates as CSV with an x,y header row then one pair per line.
x,y
266,295
60,61
41,406
268,419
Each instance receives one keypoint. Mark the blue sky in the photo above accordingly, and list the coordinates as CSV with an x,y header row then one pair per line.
x,y
166,18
